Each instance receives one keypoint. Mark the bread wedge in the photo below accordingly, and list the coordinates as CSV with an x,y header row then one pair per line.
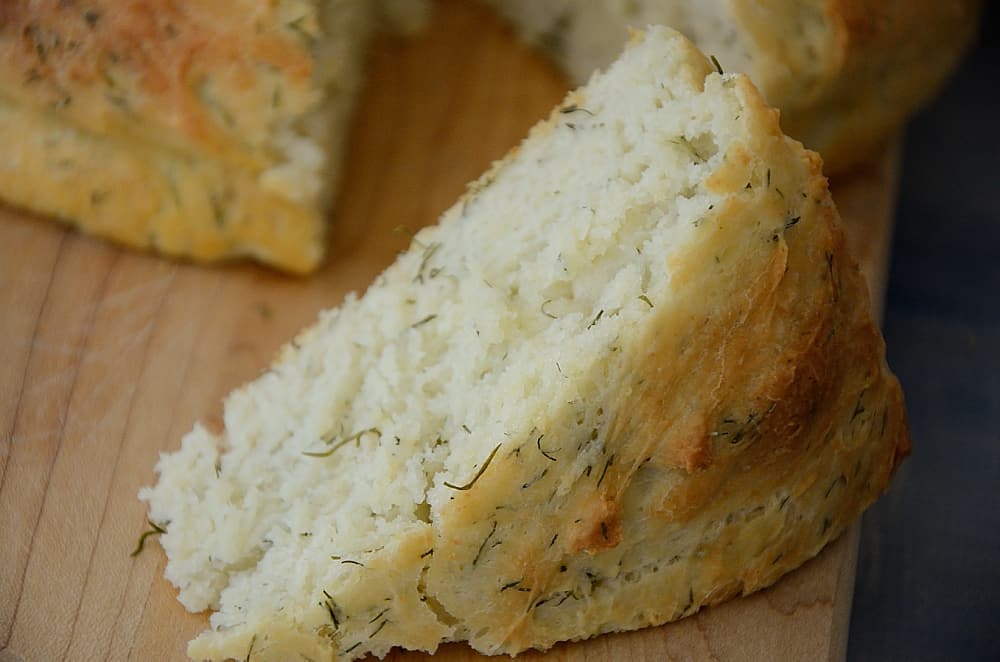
x,y
844,73
631,373
206,129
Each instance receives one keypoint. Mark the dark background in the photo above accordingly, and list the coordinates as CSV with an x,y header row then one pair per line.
x,y
928,585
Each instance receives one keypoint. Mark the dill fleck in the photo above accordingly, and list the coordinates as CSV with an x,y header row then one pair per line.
x,y
535,479
645,300
510,585
378,629
553,541
296,27
429,552
596,319
834,484
348,650
545,312
858,407
483,545
715,61
423,321
351,562
611,460
479,473
425,259
466,428
253,640
792,221
573,108
685,143
354,437
768,178
331,608
538,443
378,616
154,531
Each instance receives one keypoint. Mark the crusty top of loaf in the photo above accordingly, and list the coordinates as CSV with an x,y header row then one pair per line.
x,y
845,73
631,373
200,128
204,75
263,86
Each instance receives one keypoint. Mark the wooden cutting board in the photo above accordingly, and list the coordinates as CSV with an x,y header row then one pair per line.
x,y
108,356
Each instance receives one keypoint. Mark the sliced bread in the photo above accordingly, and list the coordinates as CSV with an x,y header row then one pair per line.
x,y
631,373
845,74
207,129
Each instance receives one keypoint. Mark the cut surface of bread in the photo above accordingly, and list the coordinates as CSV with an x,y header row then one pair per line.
x,y
631,373
844,73
206,129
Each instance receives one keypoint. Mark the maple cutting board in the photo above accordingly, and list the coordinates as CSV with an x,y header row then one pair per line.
x,y
108,357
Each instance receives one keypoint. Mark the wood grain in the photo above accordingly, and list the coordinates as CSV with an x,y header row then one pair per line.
x,y
108,356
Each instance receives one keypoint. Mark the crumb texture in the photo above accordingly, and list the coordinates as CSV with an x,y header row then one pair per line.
x,y
629,374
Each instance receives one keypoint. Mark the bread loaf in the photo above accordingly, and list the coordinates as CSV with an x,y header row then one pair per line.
x,y
844,73
631,373
206,128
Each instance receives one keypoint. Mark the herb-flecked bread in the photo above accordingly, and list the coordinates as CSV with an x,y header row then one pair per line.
x,y
844,73
205,128
631,373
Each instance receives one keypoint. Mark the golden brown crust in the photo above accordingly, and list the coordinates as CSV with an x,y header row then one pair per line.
x,y
879,61
157,200
845,73
145,69
758,422
180,125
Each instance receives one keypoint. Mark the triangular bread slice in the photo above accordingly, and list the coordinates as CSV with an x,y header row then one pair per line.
x,y
631,373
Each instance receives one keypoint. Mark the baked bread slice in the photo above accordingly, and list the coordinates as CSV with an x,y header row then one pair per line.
x,y
206,128
630,374
845,73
